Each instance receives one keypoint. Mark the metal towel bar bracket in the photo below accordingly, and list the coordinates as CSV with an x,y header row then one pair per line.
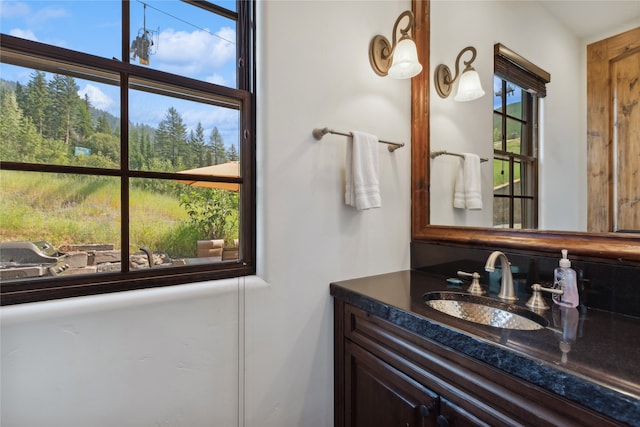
x,y
318,133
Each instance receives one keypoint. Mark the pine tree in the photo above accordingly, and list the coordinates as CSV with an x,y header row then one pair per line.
x,y
232,154
171,138
197,145
10,120
219,155
37,100
19,140
102,125
64,99
83,123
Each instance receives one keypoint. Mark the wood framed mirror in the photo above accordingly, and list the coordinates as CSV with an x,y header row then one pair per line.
x,y
610,247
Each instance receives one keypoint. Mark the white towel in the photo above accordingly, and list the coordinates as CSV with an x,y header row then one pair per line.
x,y
361,172
468,189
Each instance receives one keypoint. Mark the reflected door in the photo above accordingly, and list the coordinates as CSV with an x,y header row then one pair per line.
x,y
613,135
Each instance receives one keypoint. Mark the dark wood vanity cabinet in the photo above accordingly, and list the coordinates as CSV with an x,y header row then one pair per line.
x,y
387,376
381,395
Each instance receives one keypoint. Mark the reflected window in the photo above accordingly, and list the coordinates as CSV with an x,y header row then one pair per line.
x,y
517,87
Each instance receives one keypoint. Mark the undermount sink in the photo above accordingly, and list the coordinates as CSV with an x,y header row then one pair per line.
x,y
485,311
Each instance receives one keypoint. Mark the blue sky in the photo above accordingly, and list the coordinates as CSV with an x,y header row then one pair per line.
x,y
512,97
189,41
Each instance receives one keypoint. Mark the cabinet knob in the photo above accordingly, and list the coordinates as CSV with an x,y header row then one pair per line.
x,y
442,421
425,410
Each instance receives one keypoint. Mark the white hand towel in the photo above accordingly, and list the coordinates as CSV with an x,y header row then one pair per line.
x,y
362,190
458,192
468,188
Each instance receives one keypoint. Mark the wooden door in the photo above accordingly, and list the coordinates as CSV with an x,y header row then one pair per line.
x,y
613,133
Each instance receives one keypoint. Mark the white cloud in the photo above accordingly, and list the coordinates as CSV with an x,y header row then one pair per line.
x,y
216,78
23,34
193,53
46,14
11,9
97,98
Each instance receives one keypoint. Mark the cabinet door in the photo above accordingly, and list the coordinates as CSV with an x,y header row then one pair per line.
x,y
377,395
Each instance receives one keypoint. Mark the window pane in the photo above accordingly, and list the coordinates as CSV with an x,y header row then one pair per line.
x,y
515,106
181,223
183,39
514,136
501,174
78,217
58,119
90,26
497,132
501,212
170,134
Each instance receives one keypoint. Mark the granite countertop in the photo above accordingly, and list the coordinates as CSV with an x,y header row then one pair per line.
x,y
593,360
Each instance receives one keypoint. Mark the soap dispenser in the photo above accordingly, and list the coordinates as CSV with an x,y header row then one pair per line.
x,y
565,279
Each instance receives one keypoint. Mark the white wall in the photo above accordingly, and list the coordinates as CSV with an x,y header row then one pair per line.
x,y
526,28
169,357
160,357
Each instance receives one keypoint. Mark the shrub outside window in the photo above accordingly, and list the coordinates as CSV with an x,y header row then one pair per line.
x,y
129,164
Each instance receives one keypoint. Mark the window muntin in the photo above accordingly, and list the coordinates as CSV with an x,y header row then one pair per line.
x,y
228,107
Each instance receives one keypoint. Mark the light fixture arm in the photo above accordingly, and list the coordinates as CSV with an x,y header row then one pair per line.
x,y
467,64
404,31
442,75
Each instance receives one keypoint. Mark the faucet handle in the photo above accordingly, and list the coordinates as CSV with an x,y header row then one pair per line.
x,y
536,302
474,288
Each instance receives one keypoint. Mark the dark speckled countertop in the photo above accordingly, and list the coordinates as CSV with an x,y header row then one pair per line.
x,y
599,367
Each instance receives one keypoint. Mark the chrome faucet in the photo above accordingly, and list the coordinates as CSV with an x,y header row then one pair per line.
x,y
507,292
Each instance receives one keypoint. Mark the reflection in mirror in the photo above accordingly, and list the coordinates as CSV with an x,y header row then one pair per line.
x,y
550,41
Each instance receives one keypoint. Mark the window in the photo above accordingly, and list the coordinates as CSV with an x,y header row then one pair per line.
x,y
518,85
126,144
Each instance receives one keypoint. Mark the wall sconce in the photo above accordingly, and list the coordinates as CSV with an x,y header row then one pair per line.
x,y
398,60
469,87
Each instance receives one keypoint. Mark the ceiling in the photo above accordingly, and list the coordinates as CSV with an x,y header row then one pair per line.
x,y
588,18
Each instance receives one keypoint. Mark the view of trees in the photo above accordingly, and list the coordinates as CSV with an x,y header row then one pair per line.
x,y
48,122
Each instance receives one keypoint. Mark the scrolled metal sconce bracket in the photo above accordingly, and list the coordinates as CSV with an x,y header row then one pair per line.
x,y
442,75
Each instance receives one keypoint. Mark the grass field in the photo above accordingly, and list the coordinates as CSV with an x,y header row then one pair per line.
x,y
86,210
500,178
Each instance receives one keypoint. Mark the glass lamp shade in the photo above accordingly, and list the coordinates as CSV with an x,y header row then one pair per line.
x,y
469,87
405,60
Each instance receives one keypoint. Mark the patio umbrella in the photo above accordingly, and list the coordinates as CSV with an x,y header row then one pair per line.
x,y
229,169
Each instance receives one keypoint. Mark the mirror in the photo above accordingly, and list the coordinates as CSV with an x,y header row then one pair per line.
x,y
567,235
545,34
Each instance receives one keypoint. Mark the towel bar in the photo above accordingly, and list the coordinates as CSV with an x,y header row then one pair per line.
x,y
435,154
318,133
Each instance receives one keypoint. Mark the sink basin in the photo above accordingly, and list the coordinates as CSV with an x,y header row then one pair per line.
x,y
485,311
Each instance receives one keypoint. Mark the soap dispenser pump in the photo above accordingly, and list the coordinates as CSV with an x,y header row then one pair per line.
x,y
565,279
